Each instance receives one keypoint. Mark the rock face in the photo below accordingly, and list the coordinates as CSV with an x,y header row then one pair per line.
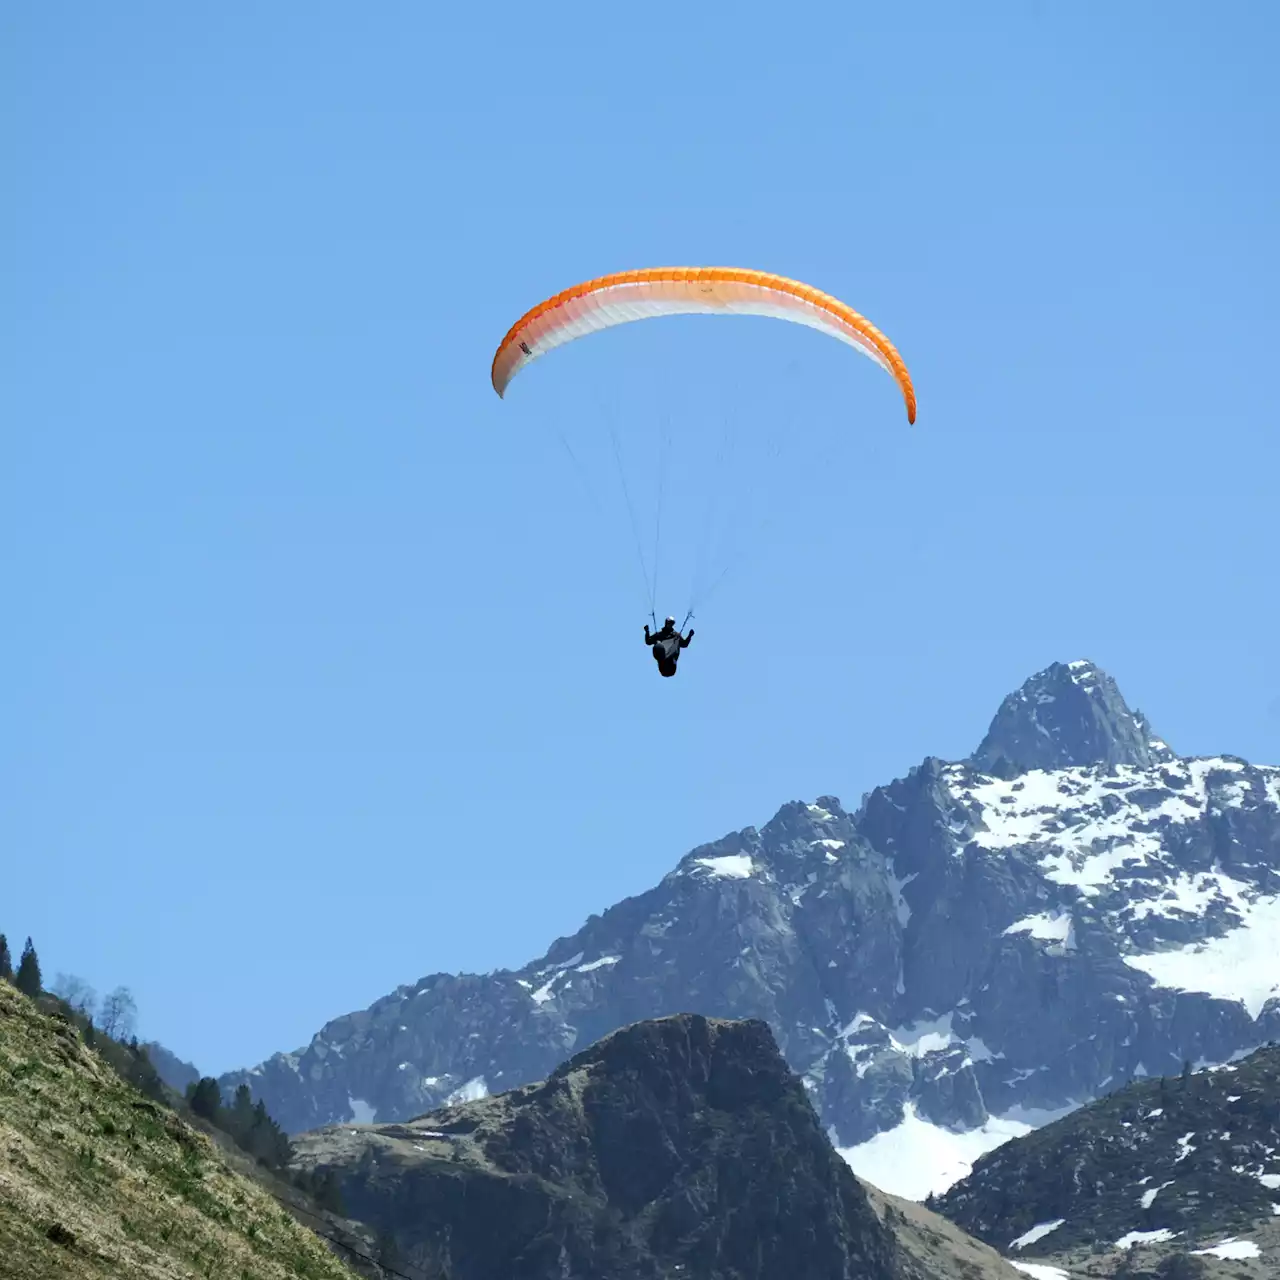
x,y
682,1146
1071,908
1066,716
1170,1161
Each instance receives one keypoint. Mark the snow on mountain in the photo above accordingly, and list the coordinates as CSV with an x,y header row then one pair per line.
x,y
917,1159
1038,1271
1192,1161
984,943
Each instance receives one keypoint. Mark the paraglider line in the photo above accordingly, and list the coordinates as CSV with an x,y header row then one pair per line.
x,y
711,509
663,441
704,596
635,530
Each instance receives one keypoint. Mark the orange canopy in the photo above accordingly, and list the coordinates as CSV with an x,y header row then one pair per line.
x,y
664,291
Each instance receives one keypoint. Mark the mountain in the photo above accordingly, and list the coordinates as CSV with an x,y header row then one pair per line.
x,y
174,1071
1181,1161
983,945
1064,717
97,1180
682,1146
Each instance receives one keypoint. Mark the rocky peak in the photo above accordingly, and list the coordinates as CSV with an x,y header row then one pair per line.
x,y
1069,715
677,1146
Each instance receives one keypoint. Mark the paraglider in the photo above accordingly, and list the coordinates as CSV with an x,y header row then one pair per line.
x,y
667,644
672,291
626,296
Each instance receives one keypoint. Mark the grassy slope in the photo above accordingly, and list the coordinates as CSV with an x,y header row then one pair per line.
x,y
936,1246
98,1181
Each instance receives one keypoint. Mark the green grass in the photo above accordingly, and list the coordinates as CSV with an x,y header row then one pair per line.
x,y
98,1181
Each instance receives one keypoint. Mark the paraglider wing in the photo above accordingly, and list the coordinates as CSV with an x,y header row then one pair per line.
x,y
666,291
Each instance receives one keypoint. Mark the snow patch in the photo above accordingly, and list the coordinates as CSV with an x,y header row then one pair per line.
x,y
1070,817
1038,1270
733,866
361,1111
896,886
1149,1196
1144,1237
1058,927
597,964
979,1052
923,1037
1038,1232
919,1038
1237,966
472,1091
916,1157
1232,1248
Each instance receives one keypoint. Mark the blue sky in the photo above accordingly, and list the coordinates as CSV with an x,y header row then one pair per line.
x,y
324,664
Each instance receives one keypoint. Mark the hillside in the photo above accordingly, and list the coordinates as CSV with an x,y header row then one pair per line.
x,y
1184,1161
98,1182
979,947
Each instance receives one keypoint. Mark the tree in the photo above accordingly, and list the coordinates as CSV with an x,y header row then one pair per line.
x,y
76,992
205,1098
267,1141
6,960
1186,1072
119,1014
242,1115
28,980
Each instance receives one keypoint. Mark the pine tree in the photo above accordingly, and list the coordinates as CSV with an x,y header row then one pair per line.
x,y
267,1142
28,979
6,960
205,1098
240,1121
